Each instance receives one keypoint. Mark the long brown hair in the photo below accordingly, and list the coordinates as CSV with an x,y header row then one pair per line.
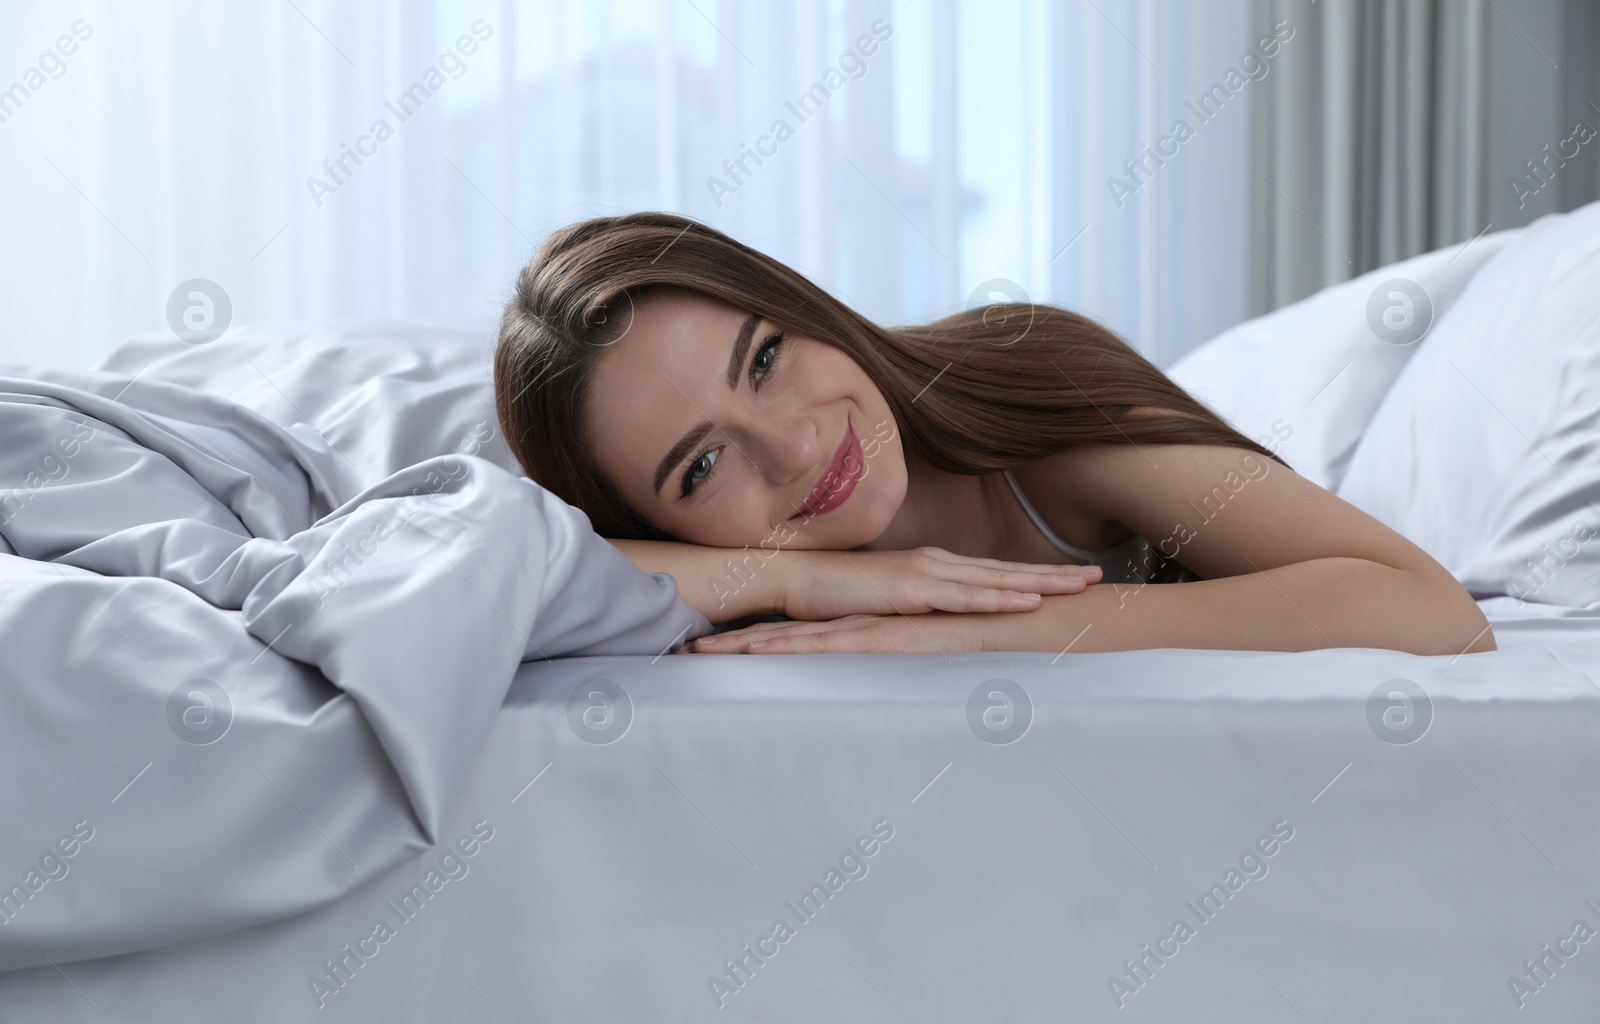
x,y
1011,382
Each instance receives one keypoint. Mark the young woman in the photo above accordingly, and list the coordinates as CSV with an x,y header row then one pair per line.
x,y
1011,478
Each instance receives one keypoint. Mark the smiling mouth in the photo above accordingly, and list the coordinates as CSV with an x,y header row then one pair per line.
x,y
838,479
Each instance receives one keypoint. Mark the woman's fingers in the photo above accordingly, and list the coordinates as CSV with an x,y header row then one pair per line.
x,y
1021,593
961,597
825,584
1052,580
1025,576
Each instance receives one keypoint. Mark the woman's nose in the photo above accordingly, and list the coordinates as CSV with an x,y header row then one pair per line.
x,y
788,450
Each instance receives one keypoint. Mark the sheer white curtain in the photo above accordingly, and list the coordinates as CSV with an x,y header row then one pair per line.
x,y
358,158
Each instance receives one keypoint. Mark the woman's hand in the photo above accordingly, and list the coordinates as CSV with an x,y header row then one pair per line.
x,y
932,633
820,585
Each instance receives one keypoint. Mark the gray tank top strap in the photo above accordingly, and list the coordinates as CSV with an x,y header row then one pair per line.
x,y
1049,534
1128,562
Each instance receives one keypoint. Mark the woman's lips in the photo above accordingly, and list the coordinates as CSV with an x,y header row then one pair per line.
x,y
839,479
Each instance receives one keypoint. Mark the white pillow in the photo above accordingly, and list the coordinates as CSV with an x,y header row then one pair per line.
x,y
1486,452
1305,380
386,394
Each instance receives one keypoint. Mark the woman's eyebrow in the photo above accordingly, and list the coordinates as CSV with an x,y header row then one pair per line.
x,y
681,450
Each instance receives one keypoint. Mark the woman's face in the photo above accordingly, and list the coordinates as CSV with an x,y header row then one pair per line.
x,y
723,429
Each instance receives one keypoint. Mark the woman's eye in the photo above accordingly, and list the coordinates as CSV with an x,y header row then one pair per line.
x,y
767,357
695,475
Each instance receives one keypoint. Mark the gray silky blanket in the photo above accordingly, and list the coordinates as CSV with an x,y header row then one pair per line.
x,y
238,679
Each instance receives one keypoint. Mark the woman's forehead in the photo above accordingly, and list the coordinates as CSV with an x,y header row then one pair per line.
x,y
681,334
667,309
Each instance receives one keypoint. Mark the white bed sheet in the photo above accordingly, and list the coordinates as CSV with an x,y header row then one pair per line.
x,y
1019,877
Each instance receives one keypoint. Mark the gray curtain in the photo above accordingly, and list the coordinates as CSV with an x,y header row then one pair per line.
x,y
1401,126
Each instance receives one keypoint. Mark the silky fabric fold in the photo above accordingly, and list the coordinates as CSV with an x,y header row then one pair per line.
x,y
295,673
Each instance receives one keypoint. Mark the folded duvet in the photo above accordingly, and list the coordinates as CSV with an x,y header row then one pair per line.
x,y
236,680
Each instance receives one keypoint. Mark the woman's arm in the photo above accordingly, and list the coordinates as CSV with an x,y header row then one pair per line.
x,y
722,584
1285,566
725,584
1324,602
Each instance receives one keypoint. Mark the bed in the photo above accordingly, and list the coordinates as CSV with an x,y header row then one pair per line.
x,y
450,819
